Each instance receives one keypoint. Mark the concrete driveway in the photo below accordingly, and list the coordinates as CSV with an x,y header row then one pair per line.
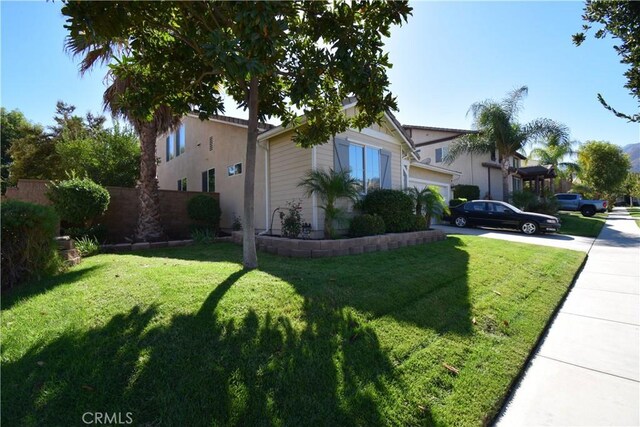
x,y
556,240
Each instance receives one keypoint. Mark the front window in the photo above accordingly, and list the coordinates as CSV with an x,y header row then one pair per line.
x,y
364,163
517,184
182,184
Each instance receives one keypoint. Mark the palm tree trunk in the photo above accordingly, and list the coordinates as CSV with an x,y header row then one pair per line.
x,y
505,179
149,227
249,255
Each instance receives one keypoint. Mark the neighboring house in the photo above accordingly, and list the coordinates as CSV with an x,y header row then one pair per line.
x,y
381,156
483,170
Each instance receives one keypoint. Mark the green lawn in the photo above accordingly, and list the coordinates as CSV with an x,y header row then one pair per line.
x,y
574,224
635,212
185,337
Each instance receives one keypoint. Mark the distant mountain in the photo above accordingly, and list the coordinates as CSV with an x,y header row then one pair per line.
x,y
633,150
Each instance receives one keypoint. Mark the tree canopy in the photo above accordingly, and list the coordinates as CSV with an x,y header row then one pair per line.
x,y
76,145
604,167
620,20
275,59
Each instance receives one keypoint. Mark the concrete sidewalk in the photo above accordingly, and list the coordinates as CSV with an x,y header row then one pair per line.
x,y
587,369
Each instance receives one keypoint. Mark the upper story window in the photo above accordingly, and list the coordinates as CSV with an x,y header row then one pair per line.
x,y
234,169
516,162
170,147
441,153
180,140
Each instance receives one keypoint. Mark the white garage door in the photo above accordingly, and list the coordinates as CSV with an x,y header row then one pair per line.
x,y
445,189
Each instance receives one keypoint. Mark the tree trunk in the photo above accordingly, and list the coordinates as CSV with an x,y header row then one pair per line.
x,y
249,256
149,227
505,179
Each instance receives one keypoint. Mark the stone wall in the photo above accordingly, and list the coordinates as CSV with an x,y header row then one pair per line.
x,y
325,248
122,214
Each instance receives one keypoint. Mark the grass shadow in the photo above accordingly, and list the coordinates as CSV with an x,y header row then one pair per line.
x,y
25,291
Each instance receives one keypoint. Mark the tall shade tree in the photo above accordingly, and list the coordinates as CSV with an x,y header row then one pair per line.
x,y
499,131
620,20
604,167
274,59
557,152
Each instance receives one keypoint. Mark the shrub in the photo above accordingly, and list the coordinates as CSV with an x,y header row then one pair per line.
x,y
205,210
530,202
87,246
457,202
202,235
394,206
97,232
78,201
420,223
291,221
28,246
366,225
469,192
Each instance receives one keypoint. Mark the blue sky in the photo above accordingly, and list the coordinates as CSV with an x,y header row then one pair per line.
x,y
449,55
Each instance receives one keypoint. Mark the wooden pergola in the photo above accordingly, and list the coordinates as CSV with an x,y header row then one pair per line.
x,y
537,178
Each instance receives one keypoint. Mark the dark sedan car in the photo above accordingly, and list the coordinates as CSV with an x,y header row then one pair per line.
x,y
492,213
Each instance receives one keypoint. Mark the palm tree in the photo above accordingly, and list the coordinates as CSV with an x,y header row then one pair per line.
x,y
93,49
553,152
499,131
330,186
430,198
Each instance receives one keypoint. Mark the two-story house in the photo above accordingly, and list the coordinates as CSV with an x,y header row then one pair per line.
x,y
483,170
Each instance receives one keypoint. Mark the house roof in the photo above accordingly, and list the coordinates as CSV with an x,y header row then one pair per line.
x,y
235,120
461,131
533,171
347,103
430,167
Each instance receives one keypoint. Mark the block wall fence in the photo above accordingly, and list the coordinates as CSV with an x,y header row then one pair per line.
x,y
122,215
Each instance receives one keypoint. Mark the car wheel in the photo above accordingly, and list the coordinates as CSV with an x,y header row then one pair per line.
x,y
588,211
529,227
460,221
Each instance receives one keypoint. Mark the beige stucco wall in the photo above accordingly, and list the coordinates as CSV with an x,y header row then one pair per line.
x,y
229,148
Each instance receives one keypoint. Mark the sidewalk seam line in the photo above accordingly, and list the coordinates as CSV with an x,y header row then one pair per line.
x,y
600,318
589,369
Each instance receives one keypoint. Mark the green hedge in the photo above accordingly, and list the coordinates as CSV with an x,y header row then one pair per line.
x,y
78,201
456,202
205,210
394,206
366,225
28,246
469,192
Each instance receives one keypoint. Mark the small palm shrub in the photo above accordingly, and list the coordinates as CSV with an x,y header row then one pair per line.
x,y
202,235
330,186
28,246
420,223
394,207
205,211
366,225
87,246
78,201
435,205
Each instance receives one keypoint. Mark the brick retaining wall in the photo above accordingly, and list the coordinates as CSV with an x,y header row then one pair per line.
x,y
327,248
122,215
